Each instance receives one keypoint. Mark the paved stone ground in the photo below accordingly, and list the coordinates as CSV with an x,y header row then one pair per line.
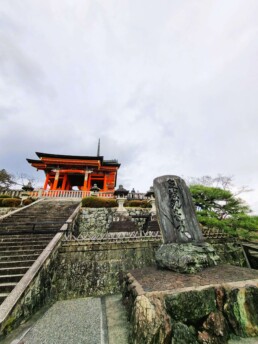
x,y
74,322
153,279
80,321
117,324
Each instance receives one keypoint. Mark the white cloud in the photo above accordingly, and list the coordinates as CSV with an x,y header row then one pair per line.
x,y
170,87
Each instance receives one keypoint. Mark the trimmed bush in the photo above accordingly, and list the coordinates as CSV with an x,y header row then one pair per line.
x,y
137,204
98,202
28,201
10,202
5,196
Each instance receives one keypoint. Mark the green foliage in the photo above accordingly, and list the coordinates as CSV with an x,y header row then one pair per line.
x,y
137,203
10,202
98,202
216,202
5,196
220,209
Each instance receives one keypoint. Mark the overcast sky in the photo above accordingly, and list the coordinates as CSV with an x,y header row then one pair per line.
x,y
170,86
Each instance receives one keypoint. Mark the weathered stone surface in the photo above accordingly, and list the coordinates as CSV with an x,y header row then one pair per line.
x,y
220,298
176,211
241,309
191,306
186,258
217,328
184,249
97,220
229,252
182,334
151,323
207,315
90,269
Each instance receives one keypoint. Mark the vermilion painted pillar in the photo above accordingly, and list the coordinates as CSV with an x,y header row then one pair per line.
x,y
46,182
56,180
64,181
85,184
105,183
89,183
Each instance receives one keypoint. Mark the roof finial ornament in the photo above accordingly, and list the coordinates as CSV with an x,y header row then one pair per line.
x,y
98,151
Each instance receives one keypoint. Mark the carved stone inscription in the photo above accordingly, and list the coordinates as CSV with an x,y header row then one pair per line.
x,y
175,206
175,211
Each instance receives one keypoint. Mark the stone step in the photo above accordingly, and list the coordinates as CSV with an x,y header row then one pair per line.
x,y
8,264
7,287
22,247
25,237
27,231
153,226
13,270
37,225
4,254
19,257
11,278
3,296
36,218
19,243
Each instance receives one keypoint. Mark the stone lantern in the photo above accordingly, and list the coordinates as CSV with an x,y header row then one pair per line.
x,y
94,190
121,194
151,198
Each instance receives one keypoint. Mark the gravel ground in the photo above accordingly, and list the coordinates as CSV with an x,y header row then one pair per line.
x,y
74,322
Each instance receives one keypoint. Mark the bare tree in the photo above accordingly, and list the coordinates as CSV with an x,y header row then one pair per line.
x,y
222,182
6,180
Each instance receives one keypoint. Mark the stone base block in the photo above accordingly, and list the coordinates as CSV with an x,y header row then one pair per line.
x,y
186,258
206,308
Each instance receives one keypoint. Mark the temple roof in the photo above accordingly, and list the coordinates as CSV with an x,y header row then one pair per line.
x,y
73,157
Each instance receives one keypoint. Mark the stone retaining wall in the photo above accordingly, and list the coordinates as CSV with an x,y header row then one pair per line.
x,y
90,269
202,314
97,220
230,252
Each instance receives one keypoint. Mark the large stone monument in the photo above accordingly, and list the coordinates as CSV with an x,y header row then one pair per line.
x,y
183,248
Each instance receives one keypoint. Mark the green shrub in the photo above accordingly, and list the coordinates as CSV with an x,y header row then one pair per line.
x,y
97,202
11,202
27,201
5,196
137,204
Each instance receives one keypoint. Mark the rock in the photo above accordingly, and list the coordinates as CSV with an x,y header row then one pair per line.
x,y
241,309
217,326
220,298
186,258
176,211
151,324
182,334
184,249
191,306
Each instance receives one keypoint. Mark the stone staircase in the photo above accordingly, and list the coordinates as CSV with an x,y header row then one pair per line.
x,y
24,235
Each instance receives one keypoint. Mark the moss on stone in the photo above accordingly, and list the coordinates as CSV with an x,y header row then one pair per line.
x,y
191,306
